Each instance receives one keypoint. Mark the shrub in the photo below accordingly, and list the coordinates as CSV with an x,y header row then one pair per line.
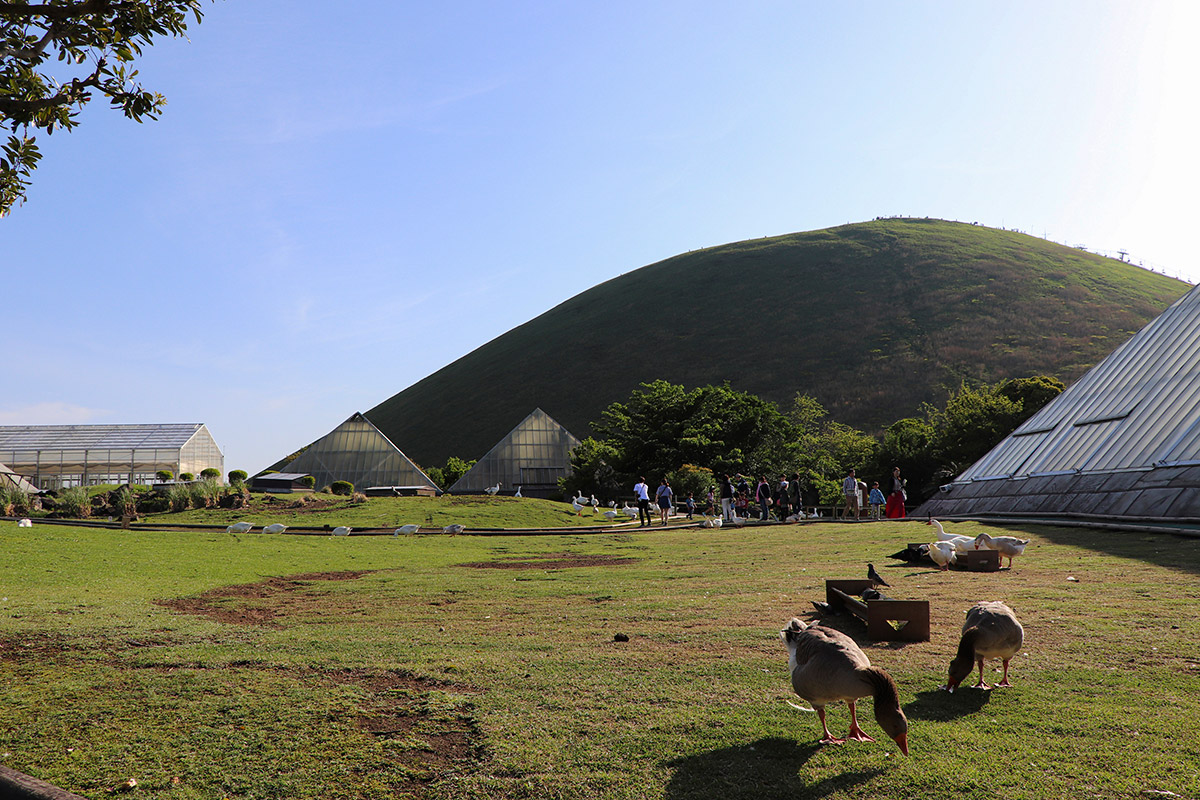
x,y
123,501
186,476
179,497
14,501
74,502
308,481
211,473
164,475
237,476
342,487
208,491
358,497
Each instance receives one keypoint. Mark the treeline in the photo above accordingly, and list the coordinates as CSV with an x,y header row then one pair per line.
x,y
690,435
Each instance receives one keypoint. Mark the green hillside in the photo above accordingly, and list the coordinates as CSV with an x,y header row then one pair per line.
x,y
872,319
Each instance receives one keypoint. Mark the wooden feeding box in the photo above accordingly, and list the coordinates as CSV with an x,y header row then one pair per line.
x,y
982,560
887,620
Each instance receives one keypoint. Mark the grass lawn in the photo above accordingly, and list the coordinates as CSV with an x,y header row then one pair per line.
x,y
207,665
317,509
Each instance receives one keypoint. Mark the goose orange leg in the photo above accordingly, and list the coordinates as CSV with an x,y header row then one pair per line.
x,y
828,738
856,733
1004,680
982,684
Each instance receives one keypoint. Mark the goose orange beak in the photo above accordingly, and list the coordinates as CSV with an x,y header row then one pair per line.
x,y
902,740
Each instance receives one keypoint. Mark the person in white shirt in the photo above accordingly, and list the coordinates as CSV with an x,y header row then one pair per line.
x,y
643,499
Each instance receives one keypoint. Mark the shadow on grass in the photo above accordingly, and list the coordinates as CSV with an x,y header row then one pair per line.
x,y
1161,549
768,768
939,705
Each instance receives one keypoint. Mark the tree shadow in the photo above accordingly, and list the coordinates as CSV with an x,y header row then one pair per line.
x,y
767,769
938,705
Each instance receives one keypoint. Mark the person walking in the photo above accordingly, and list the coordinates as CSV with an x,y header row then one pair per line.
x,y
762,496
727,498
850,492
782,500
663,494
643,500
897,494
876,500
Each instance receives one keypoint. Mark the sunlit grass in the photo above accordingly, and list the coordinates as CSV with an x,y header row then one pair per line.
x,y
518,660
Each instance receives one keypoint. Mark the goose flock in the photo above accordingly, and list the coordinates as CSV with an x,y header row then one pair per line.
x,y
827,666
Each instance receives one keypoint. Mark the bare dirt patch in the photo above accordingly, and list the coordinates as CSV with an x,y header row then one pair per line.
x,y
552,561
261,603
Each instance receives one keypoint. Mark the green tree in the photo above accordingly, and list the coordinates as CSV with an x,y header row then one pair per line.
x,y
55,55
663,426
164,475
237,476
210,473
593,470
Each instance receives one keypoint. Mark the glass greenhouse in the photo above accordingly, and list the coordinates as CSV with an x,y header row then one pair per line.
x,y
532,457
54,456
357,452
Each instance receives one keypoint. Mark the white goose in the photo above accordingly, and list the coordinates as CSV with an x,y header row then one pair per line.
x,y
341,530
612,515
1009,546
275,528
454,529
493,489
518,492
406,530
961,543
630,511
25,522
943,554
239,527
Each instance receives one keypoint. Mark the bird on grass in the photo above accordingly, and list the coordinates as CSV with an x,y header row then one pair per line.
x,y
827,666
1006,546
874,577
341,530
493,489
24,522
961,543
943,554
612,515
275,527
239,527
454,529
406,530
518,492
991,630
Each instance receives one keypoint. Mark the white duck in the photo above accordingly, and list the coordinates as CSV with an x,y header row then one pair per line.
x,y
239,527
943,554
1009,546
827,666
991,630
341,530
406,530
961,543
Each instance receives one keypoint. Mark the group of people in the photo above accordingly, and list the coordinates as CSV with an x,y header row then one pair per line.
x,y
783,498
875,501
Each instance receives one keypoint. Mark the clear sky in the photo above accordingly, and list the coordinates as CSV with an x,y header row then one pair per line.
x,y
341,199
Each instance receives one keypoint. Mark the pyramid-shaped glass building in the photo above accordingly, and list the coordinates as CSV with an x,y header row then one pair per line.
x,y
1123,441
532,457
356,451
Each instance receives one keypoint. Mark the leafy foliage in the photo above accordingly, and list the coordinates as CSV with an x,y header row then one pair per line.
x,y
342,487
210,472
238,476
164,475
96,41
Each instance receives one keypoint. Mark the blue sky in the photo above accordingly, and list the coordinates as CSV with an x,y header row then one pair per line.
x,y
339,200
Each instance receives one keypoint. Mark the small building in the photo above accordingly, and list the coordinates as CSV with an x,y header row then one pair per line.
x,y
54,456
532,457
282,482
356,451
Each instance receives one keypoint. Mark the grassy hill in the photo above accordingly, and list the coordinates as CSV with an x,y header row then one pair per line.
x,y
872,319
